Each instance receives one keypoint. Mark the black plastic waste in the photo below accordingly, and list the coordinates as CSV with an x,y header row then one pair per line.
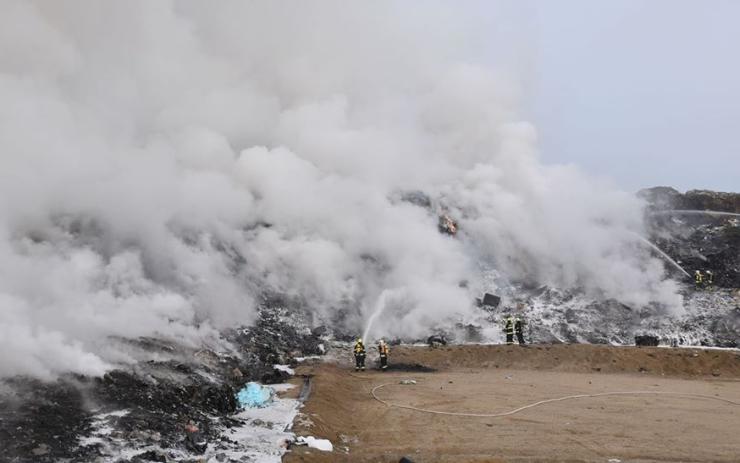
x,y
491,299
646,340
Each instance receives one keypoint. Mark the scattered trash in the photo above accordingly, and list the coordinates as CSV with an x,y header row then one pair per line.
x,y
436,340
407,381
447,225
151,455
615,460
405,460
254,395
508,377
41,450
320,444
277,375
194,440
284,368
646,340
491,300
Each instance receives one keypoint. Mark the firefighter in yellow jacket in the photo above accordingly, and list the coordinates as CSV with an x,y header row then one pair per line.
x,y
698,279
359,351
509,324
514,324
383,351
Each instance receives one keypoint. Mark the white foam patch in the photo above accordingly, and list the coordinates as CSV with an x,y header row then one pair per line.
x,y
324,445
264,436
101,428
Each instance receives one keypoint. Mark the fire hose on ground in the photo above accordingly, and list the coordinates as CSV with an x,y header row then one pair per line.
x,y
547,401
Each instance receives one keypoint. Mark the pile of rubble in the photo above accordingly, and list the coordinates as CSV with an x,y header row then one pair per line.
x,y
159,410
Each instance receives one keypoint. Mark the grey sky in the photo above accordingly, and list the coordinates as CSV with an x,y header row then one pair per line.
x,y
644,92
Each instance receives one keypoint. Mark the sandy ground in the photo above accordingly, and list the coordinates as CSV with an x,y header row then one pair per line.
x,y
492,379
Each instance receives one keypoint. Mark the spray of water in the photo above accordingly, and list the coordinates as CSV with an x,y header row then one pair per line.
x,y
665,256
696,212
379,307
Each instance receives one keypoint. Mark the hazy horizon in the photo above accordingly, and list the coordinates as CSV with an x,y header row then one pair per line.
x,y
643,93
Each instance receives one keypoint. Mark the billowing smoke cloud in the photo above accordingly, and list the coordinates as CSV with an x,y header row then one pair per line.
x,y
163,163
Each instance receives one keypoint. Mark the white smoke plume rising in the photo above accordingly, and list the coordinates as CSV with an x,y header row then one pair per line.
x,y
161,163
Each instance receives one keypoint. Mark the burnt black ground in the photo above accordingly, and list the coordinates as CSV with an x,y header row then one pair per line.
x,y
38,420
410,367
43,421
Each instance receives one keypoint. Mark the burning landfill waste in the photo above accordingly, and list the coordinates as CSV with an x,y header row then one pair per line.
x,y
195,198
447,225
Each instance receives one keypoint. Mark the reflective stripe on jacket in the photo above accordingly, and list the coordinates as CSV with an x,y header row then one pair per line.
x,y
509,325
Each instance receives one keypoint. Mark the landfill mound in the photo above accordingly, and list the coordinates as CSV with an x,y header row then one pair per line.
x,y
678,410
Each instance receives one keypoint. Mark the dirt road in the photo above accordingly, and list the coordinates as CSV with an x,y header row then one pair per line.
x,y
493,379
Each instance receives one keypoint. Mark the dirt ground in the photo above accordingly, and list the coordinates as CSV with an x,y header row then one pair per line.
x,y
493,379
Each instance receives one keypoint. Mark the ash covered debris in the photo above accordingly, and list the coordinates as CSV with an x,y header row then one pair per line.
x,y
553,315
436,340
171,409
697,241
417,198
42,421
662,198
447,225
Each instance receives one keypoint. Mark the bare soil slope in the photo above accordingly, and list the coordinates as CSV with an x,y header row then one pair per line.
x,y
493,379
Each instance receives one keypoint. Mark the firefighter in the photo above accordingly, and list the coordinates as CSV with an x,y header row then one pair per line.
x,y
519,329
709,279
383,352
509,324
698,279
519,324
359,351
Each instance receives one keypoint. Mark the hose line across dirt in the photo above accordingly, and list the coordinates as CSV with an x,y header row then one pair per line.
x,y
543,402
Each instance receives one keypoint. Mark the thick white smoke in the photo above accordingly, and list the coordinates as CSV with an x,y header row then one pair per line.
x,y
161,163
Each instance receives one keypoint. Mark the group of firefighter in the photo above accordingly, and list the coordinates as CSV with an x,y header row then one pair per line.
x,y
513,326
360,354
704,280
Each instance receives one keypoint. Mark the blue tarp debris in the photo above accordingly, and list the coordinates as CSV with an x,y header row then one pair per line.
x,y
255,395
